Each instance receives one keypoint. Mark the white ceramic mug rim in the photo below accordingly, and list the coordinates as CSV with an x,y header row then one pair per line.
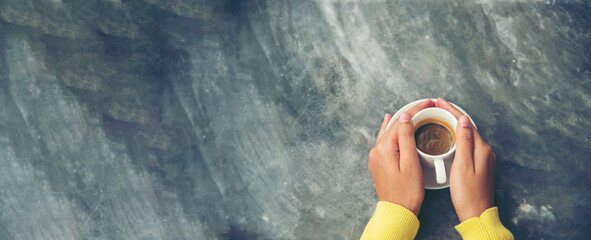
x,y
451,150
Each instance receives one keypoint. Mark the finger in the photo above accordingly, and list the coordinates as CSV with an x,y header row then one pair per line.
x,y
409,159
412,111
464,144
422,105
384,125
494,162
494,158
442,103
390,135
484,159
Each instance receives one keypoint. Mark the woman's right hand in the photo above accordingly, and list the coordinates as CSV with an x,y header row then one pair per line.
x,y
472,176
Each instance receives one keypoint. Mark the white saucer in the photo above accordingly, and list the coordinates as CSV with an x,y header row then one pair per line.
x,y
429,173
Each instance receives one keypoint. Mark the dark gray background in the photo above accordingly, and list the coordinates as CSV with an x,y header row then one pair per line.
x,y
194,119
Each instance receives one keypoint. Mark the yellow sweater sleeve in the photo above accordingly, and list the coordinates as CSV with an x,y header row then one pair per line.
x,y
391,221
487,226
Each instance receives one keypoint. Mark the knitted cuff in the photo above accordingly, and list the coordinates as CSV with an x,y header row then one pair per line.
x,y
391,221
487,226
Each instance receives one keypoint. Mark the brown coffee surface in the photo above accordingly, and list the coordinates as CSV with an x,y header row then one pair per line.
x,y
433,139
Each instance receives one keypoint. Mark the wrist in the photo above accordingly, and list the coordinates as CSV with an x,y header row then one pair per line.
x,y
467,213
414,208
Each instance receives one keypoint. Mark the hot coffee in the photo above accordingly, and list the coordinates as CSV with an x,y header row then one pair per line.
x,y
434,137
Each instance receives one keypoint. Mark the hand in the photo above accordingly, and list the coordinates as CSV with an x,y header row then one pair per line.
x,y
394,163
472,177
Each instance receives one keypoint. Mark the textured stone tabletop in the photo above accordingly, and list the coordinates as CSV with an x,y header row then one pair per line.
x,y
196,119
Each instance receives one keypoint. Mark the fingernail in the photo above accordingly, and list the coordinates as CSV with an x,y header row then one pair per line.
x,y
464,121
385,116
404,117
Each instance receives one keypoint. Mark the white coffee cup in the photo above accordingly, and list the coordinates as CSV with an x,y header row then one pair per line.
x,y
436,161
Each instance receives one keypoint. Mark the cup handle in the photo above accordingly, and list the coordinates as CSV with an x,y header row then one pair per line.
x,y
440,174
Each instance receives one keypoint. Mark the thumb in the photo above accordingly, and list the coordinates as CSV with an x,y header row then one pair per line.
x,y
409,158
464,143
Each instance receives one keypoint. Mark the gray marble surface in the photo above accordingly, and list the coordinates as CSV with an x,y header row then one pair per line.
x,y
195,119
